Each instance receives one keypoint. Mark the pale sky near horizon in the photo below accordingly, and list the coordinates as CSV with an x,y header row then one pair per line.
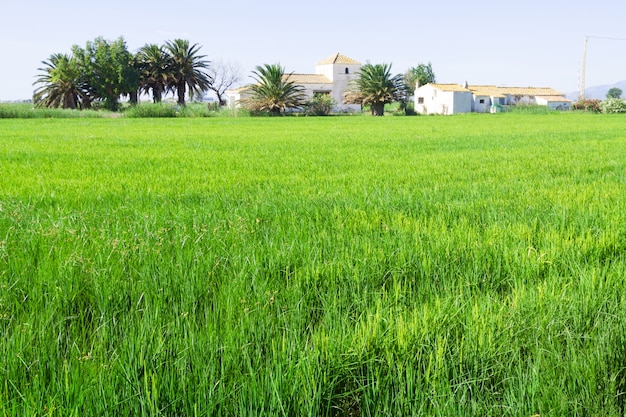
x,y
524,43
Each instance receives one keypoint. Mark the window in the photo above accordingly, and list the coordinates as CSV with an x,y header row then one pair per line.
x,y
347,70
420,100
481,101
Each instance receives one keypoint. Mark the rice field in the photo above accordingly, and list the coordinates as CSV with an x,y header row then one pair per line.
x,y
344,266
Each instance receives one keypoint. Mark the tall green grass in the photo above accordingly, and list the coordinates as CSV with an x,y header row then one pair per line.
x,y
28,111
469,265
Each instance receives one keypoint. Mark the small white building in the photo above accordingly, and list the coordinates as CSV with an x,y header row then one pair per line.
x,y
443,99
554,102
332,76
454,98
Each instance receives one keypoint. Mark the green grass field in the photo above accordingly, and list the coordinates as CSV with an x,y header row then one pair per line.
x,y
343,266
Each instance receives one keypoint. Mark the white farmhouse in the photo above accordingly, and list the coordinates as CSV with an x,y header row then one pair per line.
x,y
443,99
332,77
454,98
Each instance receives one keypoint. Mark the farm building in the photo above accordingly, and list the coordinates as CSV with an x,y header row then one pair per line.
x,y
454,98
332,76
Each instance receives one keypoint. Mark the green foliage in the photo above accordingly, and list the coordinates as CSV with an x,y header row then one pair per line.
x,y
28,111
461,266
319,105
187,68
592,106
613,105
614,93
273,92
530,109
150,110
60,83
154,66
159,110
375,87
103,71
423,73
107,70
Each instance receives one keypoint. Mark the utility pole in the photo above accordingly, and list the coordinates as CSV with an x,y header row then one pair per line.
x,y
581,90
583,69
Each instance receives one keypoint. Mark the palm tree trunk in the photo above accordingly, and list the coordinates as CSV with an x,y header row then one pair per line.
x,y
181,93
157,95
378,109
133,97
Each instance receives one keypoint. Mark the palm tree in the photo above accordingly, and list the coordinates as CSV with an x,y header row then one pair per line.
x,y
273,92
154,64
60,83
376,87
187,68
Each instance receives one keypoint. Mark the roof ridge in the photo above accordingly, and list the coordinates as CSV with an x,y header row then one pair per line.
x,y
339,58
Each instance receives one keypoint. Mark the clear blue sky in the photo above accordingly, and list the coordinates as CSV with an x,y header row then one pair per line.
x,y
520,43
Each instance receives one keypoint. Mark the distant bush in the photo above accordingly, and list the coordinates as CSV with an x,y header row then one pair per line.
x,y
198,110
319,105
151,110
587,105
27,111
530,109
613,105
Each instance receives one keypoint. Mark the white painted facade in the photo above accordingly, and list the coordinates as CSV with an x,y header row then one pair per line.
x,y
556,103
332,76
341,71
453,98
442,99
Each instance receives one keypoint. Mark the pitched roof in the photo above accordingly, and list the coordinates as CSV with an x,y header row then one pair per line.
x,y
486,90
530,91
494,91
449,87
307,78
339,59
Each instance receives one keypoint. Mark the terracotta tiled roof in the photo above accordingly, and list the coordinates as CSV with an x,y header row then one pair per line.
x,y
450,87
493,91
529,91
307,78
486,90
339,59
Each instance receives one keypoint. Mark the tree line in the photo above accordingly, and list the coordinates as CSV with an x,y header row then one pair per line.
x,y
104,71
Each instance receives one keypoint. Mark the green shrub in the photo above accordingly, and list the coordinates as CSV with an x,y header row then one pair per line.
x,y
588,105
319,105
151,110
530,109
196,110
27,111
613,105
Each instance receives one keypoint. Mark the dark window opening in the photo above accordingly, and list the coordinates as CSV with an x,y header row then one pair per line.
x,y
420,100
347,70
482,101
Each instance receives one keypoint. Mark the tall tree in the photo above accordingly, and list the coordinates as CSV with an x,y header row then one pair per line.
x,y
376,86
60,85
107,69
223,76
154,67
614,93
187,68
423,74
273,91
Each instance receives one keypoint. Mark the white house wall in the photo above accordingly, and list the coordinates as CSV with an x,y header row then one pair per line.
x,y
479,107
462,102
436,101
336,73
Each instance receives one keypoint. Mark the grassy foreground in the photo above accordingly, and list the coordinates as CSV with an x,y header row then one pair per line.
x,y
456,266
